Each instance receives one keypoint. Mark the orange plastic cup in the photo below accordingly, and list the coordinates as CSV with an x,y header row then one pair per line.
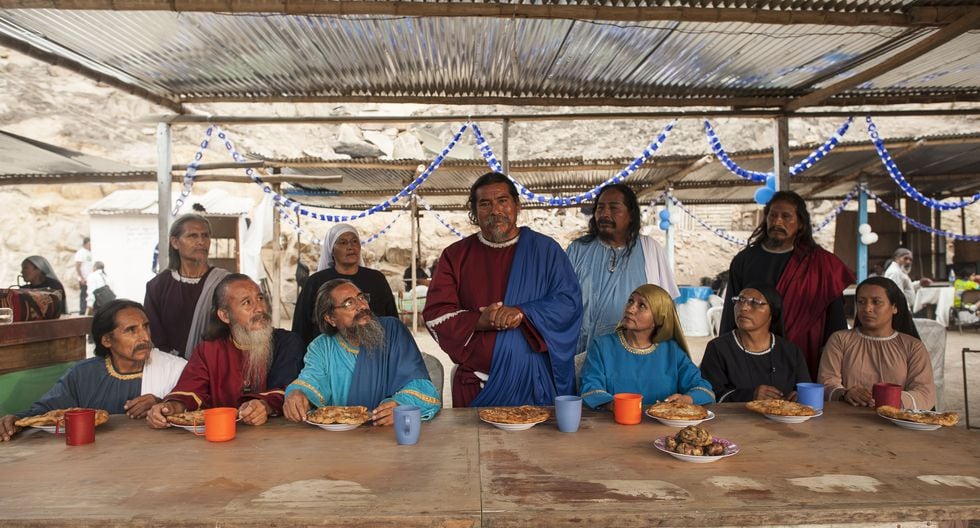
x,y
219,424
628,408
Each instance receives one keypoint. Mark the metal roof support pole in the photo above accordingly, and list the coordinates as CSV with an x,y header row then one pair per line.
x,y
505,154
415,258
780,152
862,249
940,268
276,289
671,210
163,193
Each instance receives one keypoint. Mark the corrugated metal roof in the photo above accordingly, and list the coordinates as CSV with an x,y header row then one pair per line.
x,y
217,202
25,158
202,56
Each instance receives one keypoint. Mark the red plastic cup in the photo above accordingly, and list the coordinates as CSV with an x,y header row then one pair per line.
x,y
80,427
628,408
887,394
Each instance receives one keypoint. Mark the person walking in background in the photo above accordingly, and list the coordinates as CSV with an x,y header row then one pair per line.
x,y
97,280
83,268
810,279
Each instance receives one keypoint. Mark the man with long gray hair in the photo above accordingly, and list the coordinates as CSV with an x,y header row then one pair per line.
x,y
178,299
242,362
360,359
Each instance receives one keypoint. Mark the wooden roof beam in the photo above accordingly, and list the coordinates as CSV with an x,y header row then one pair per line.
x,y
969,21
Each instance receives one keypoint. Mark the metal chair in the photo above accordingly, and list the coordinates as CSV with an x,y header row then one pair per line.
x,y
966,393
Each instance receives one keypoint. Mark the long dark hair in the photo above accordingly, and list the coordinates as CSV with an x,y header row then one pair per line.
x,y
631,203
804,237
104,321
489,179
775,305
901,321
176,230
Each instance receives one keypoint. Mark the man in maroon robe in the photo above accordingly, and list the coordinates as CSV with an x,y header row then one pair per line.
x,y
243,362
505,304
810,279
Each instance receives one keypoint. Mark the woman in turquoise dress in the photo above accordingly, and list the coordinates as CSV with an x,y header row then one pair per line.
x,y
647,354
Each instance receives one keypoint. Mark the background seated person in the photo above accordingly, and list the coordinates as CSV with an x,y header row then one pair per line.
x,y
38,274
646,355
127,375
341,259
242,362
360,359
754,361
883,346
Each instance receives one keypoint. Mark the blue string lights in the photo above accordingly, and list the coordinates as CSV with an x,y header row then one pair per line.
x,y
716,230
840,209
903,184
760,177
919,225
191,173
438,216
495,165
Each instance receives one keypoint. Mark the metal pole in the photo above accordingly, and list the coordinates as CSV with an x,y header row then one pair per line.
x,y
276,289
670,232
415,256
163,194
505,156
780,152
862,250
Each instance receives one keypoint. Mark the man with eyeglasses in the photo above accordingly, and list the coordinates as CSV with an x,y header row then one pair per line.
x,y
810,279
341,259
360,359
506,306
242,362
612,260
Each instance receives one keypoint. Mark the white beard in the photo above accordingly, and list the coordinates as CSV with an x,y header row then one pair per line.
x,y
257,345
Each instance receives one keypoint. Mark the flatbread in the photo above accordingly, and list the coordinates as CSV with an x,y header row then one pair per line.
x,y
57,417
190,418
354,415
677,411
780,408
947,419
525,414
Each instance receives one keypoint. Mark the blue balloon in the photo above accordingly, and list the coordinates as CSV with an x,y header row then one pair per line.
x,y
763,195
664,214
771,183
665,224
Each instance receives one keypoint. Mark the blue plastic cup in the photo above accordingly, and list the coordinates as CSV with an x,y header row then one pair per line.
x,y
408,424
810,394
568,411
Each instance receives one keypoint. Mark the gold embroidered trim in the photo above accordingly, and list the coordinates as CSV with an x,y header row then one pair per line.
x,y
302,383
277,391
346,346
705,390
419,395
597,391
632,349
191,394
117,375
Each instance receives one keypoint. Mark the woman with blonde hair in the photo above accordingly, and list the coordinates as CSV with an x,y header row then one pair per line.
x,y
647,354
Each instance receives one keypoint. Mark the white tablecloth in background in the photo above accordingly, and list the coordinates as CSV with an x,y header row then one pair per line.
x,y
941,296
694,317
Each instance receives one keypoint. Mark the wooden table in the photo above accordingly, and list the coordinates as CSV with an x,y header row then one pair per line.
x,y
846,466
33,344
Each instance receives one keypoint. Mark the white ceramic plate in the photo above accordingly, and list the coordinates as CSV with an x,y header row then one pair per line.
x,y
513,427
680,423
792,419
730,449
915,426
50,429
199,428
334,427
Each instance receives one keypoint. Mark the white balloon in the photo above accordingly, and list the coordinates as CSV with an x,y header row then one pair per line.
x,y
869,238
864,229
874,237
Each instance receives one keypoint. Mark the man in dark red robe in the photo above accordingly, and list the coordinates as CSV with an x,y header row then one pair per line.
x,y
810,279
505,304
243,362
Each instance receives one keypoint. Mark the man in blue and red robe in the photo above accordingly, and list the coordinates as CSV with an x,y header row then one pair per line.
x,y
506,306
810,279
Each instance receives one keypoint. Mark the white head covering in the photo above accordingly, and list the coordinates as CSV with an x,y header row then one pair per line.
x,y
326,252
